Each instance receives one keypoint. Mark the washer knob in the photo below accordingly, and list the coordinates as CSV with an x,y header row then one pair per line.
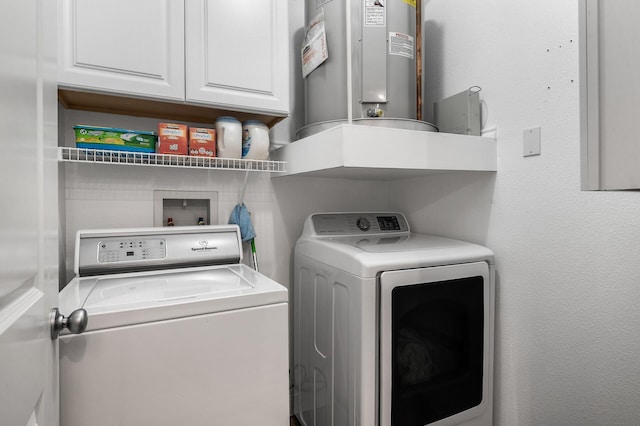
x,y
363,224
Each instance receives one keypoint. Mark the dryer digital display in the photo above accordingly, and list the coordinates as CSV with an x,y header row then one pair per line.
x,y
388,223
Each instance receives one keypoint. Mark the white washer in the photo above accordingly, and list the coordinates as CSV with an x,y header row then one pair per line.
x,y
391,328
179,332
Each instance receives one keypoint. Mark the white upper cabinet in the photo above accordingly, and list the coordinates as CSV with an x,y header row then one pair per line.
x,y
237,54
229,55
133,48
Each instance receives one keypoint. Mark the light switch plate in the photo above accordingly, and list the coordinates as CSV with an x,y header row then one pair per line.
x,y
531,142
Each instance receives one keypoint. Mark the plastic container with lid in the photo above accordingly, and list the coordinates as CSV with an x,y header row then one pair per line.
x,y
228,137
255,140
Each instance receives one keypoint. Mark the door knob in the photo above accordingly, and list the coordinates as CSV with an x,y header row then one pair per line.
x,y
76,323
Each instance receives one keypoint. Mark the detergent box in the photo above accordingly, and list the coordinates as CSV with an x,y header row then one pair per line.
x,y
202,142
114,139
173,139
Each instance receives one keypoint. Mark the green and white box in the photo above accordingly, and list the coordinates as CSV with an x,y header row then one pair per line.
x,y
115,139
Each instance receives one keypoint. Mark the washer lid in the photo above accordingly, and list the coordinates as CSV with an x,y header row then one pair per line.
x,y
127,299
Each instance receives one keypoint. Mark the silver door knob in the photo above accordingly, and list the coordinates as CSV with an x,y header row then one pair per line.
x,y
76,323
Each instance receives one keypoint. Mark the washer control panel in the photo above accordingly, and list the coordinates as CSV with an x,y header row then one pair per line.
x,y
112,251
345,224
131,249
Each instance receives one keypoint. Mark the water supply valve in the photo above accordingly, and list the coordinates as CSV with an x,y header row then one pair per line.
x,y
374,112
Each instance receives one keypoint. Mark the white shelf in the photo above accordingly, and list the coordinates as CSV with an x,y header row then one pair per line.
x,y
100,156
364,152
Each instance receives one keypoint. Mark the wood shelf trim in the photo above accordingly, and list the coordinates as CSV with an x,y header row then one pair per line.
x,y
160,109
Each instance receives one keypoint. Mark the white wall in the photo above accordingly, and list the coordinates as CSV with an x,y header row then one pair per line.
x,y
568,262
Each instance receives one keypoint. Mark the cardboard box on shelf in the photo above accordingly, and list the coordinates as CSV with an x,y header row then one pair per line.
x,y
172,139
202,142
114,139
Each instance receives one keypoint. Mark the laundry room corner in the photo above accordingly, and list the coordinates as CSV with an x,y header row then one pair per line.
x,y
567,290
320,212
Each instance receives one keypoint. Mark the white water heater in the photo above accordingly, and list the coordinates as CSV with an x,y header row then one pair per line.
x,y
370,74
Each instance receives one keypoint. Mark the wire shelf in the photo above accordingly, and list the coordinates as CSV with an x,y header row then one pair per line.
x,y
102,156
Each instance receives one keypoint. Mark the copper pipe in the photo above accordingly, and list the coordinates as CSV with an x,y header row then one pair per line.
x,y
419,60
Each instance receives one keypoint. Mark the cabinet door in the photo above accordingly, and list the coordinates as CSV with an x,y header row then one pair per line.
x,y
122,46
237,54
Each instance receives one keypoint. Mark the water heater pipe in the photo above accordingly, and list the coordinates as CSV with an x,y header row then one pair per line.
x,y
419,60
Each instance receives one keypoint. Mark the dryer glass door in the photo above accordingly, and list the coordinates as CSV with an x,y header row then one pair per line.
x,y
434,344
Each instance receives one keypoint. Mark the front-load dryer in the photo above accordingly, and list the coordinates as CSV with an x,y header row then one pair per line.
x,y
179,332
391,328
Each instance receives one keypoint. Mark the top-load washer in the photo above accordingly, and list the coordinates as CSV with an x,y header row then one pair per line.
x,y
179,332
390,327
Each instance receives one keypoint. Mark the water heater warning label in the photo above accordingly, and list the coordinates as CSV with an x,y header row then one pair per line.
x,y
374,13
401,45
314,47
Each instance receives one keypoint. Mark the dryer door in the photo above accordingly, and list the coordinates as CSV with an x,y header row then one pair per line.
x,y
435,341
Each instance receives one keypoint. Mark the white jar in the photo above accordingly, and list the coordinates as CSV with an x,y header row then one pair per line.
x,y
255,140
228,137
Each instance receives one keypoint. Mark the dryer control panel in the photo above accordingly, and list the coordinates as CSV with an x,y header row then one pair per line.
x,y
345,224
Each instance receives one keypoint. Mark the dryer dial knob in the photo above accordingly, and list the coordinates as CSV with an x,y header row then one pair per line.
x,y
363,224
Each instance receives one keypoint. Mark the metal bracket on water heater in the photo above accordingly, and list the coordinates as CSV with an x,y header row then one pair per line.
x,y
374,63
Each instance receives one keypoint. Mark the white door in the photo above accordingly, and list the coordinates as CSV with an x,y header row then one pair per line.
x,y
28,221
